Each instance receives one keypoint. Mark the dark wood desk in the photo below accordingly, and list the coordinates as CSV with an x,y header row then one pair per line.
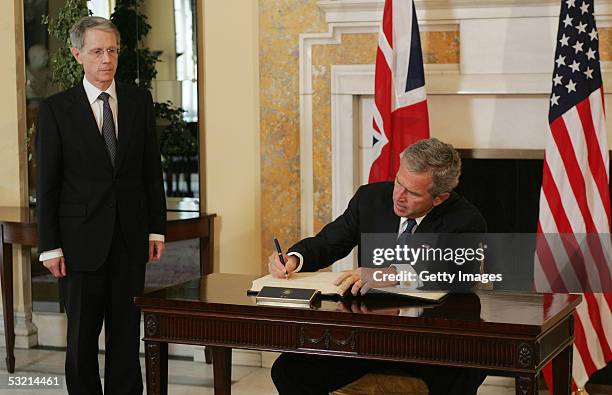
x,y
518,335
18,226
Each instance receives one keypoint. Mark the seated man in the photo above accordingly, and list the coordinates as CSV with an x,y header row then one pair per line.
x,y
420,200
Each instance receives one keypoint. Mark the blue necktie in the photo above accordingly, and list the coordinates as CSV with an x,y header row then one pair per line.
x,y
108,127
409,224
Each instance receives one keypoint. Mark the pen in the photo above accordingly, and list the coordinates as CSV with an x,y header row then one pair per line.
x,y
280,255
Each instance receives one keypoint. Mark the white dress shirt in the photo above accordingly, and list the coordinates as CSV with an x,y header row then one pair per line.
x,y
97,107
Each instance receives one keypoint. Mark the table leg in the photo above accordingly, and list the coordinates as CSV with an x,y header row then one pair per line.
x,y
207,246
562,372
207,265
222,370
207,355
526,384
156,359
6,279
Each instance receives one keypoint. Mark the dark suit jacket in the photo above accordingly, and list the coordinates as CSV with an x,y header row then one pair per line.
x,y
371,211
80,195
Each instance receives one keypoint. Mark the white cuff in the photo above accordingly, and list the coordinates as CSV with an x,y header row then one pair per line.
x,y
56,253
301,258
411,311
406,283
156,237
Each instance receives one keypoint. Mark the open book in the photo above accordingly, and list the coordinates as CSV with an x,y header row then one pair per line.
x,y
324,283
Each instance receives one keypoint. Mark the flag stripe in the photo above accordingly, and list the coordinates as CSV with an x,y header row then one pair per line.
x,y
581,344
576,180
596,164
595,320
573,252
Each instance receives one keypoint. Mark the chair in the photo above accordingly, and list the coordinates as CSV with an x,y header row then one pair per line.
x,y
385,384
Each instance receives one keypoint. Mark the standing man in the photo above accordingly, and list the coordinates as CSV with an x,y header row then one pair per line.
x,y
101,209
420,200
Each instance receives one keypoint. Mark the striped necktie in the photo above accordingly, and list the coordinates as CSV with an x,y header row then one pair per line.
x,y
408,225
108,127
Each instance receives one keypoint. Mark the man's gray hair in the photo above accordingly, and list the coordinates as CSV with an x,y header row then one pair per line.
x,y
77,33
440,158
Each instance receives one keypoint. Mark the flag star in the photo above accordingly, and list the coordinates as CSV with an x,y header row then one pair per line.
x,y
571,86
578,46
560,61
570,3
564,40
568,21
589,73
575,66
593,34
581,27
554,100
558,79
590,53
584,8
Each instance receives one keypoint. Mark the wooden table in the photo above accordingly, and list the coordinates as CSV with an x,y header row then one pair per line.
x,y
516,335
18,226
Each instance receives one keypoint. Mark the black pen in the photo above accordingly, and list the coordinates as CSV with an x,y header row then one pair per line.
x,y
280,256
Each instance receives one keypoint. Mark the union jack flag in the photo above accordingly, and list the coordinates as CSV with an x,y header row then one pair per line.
x,y
400,100
575,196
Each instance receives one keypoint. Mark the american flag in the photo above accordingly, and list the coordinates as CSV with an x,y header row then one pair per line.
x,y
575,196
400,101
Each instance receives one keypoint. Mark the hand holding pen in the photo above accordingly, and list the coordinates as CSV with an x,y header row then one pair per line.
x,y
281,265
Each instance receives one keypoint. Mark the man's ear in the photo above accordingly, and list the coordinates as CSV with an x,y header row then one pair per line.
x,y
441,198
77,54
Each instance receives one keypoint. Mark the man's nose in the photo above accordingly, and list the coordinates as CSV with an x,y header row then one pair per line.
x,y
106,58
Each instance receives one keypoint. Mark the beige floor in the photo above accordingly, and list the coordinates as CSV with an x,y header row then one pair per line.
x,y
187,377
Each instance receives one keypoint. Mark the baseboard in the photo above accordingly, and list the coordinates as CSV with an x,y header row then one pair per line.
x,y
25,330
52,333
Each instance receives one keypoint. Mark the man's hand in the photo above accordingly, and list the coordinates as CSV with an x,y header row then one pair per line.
x,y
276,268
156,249
361,280
57,266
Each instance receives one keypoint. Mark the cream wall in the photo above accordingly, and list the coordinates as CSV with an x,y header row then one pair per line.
x,y
13,177
230,147
161,37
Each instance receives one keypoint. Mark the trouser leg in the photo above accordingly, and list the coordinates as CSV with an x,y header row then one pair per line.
x,y
83,296
125,280
303,374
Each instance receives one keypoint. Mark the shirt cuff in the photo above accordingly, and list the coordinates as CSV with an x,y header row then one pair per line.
x,y
301,258
157,237
407,283
411,311
56,253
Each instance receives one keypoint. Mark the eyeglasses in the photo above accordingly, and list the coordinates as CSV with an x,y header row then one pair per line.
x,y
99,52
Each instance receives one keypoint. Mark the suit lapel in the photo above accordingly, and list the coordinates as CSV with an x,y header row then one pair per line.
x,y
126,118
87,128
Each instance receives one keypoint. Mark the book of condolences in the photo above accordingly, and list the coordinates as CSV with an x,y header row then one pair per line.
x,y
323,282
